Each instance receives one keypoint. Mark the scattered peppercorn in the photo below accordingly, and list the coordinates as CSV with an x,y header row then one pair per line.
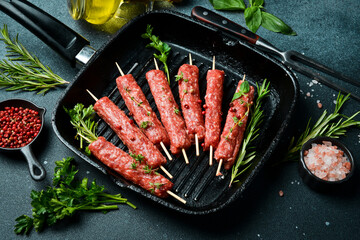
x,y
281,193
18,126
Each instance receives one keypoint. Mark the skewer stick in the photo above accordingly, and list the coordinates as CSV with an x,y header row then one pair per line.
x,y
213,65
92,95
197,145
218,173
166,151
183,150
196,137
166,172
121,72
161,143
211,156
176,197
185,156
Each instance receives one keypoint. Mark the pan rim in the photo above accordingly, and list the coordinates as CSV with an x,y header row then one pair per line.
x,y
262,160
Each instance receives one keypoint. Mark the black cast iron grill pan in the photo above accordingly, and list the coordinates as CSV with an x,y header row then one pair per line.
x,y
195,182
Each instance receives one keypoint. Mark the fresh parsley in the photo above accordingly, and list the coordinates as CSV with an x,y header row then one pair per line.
x,y
162,47
145,124
66,197
254,15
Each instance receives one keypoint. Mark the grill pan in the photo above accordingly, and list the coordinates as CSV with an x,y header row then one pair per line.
x,y
195,182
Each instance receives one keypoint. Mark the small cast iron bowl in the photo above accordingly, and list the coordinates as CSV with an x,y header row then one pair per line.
x,y
37,171
315,182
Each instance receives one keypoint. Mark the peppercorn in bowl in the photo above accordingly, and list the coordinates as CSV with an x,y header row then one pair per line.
x,y
21,122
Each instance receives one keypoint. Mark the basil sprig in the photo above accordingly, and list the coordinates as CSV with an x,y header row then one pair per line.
x,y
228,4
244,88
255,16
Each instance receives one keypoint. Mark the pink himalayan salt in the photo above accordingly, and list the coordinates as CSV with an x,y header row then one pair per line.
x,y
327,162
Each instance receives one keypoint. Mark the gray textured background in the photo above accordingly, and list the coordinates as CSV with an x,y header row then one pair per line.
x,y
328,31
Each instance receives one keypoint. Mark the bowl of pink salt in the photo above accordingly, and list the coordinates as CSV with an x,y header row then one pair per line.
x,y
325,163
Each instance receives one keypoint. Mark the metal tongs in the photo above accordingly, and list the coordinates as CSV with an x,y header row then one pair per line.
x,y
292,59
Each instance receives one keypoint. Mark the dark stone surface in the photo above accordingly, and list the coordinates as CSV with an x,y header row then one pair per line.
x,y
327,31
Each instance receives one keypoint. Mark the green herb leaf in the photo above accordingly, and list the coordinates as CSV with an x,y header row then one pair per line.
x,y
253,18
275,24
65,198
138,157
23,70
162,47
246,153
145,124
83,120
244,88
24,224
329,125
228,5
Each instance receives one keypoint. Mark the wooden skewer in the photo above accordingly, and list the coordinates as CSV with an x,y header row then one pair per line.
x,y
161,143
197,145
176,197
196,136
166,172
183,150
166,151
121,72
162,168
211,156
185,156
218,173
92,95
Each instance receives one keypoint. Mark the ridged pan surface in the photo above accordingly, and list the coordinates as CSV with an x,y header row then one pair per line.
x,y
196,182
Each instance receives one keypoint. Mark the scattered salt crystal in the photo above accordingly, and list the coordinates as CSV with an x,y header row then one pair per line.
x,y
334,101
327,223
308,94
281,193
45,162
317,101
87,172
315,81
310,84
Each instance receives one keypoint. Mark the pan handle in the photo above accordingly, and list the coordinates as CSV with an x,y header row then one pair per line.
x,y
37,171
223,23
55,34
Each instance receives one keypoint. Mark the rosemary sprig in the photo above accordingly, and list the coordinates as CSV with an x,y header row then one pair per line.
x,y
23,70
245,157
329,125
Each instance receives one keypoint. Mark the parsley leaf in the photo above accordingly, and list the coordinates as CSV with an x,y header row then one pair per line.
x,y
162,47
65,197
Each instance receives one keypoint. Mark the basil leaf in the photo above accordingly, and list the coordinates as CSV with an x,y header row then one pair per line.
x,y
228,4
245,87
253,18
258,3
275,24
236,96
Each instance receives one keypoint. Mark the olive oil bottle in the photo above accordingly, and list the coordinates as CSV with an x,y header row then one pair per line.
x,y
100,11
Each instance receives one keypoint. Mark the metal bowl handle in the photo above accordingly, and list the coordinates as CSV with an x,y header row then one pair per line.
x,y
37,171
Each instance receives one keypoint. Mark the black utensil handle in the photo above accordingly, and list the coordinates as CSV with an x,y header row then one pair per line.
x,y
37,171
223,23
55,34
